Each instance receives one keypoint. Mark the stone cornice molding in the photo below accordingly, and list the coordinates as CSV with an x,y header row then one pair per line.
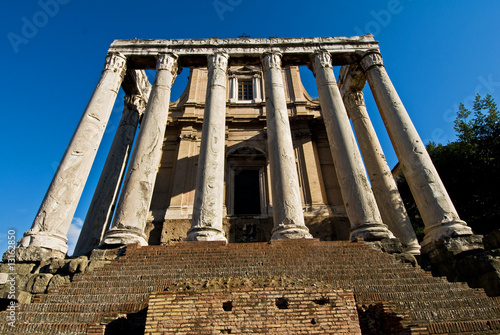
x,y
295,51
370,59
271,60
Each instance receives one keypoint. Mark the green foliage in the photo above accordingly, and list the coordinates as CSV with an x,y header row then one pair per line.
x,y
469,167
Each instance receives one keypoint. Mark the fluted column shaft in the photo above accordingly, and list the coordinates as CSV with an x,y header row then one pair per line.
x,y
384,187
434,204
357,195
54,217
103,202
287,207
206,224
133,206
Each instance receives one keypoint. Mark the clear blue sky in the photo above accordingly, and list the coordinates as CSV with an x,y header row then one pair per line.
x,y
438,54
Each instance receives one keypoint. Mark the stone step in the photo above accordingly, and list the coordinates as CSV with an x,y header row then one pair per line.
x,y
491,326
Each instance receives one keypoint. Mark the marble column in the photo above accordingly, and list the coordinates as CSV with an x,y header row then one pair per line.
x,y
206,224
54,217
103,202
384,187
357,195
434,204
133,205
287,207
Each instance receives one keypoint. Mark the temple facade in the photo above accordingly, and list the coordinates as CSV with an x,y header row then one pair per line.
x,y
245,154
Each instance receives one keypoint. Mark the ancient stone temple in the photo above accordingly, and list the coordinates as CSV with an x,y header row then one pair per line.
x,y
243,198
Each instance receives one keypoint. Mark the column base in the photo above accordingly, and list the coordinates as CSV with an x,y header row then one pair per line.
x,y
123,236
45,240
438,231
413,248
369,231
206,234
291,233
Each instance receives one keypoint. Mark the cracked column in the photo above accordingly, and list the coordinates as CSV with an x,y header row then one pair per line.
x,y
384,187
287,206
206,224
51,224
357,195
434,204
103,202
133,206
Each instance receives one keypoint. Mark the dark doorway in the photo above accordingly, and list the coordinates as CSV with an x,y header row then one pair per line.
x,y
246,192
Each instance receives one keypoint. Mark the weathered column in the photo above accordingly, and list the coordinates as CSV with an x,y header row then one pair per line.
x,y
438,213
357,195
287,207
103,202
53,220
133,206
384,187
206,224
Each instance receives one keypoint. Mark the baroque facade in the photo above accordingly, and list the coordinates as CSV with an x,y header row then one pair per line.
x,y
245,154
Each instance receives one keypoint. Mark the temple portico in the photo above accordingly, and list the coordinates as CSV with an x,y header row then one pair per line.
x,y
244,154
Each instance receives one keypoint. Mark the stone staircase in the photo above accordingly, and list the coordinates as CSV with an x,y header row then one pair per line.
x,y
391,297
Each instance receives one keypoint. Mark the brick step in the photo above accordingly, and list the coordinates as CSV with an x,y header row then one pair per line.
x,y
448,303
65,317
456,314
491,326
121,307
45,328
435,287
97,298
370,297
117,287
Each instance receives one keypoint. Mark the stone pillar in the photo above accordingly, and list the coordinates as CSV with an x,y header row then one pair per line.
x,y
206,224
357,195
133,206
287,207
106,193
438,213
53,220
257,96
384,187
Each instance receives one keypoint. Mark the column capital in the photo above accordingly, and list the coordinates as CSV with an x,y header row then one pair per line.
x,y
135,102
218,60
353,99
270,60
370,59
321,58
167,61
115,62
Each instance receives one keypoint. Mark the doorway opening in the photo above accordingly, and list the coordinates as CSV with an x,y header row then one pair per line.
x,y
247,192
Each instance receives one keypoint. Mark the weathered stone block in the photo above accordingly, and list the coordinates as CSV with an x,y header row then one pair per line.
x,y
94,264
33,254
492,240
3,278
78,264
57,281
107,254
23,297
38,283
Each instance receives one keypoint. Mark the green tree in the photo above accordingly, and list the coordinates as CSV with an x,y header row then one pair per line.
x,y
469,167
